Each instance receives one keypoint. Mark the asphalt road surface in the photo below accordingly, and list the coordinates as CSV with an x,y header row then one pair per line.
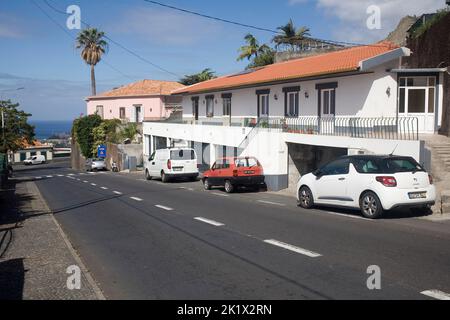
x,y
148,240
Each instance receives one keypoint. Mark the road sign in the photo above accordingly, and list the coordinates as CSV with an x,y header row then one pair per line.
x,y
101,151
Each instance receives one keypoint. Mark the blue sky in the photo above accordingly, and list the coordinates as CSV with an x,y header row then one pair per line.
x,y
39,56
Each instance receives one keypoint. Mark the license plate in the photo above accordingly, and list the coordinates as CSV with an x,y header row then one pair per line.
x,y
249,172
177,169
417,195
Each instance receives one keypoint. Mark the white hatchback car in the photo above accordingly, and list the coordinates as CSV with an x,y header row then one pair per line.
x,y
172,163
372,183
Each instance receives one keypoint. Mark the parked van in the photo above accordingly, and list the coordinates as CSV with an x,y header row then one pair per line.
x,y
37,159
172,163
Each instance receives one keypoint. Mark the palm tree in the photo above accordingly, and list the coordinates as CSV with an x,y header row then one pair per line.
x,y
206,74
252,48
290,36
93,46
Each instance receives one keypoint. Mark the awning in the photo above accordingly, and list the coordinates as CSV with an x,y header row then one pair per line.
x,y
419,70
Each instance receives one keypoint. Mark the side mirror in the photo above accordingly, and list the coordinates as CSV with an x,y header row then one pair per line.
x,y
318,173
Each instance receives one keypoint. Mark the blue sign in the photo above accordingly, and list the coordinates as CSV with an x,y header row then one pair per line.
x,y
101,151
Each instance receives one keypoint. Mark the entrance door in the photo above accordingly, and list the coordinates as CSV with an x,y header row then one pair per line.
x,y
417,98
138,114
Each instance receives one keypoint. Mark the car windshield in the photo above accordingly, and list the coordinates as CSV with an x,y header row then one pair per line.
x,y
246,162
386,165
182,154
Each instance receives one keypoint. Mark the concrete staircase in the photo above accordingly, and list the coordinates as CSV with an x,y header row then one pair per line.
x,y
439,146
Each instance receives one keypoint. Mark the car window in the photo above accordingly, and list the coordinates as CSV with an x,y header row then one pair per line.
x,y
402,165
240,163
367,166
152,157
252,162
226,164
182,154
336,167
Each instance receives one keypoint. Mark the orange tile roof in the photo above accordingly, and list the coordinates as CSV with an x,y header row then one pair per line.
x,y
328,63
142,88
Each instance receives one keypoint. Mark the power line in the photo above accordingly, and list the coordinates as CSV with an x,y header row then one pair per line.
x,y
117,43
255,27
73,38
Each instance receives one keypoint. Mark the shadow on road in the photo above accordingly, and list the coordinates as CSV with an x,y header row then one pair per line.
x,y
12,275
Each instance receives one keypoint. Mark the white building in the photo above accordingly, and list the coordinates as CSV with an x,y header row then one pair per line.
x,y
296,115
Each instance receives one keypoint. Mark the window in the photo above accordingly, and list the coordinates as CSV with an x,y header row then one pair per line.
x,y
226,106
183,154
292,104
328,102
417,94
246,162
386,165
122,113
195,107
99,111
336,167
264,105
210,106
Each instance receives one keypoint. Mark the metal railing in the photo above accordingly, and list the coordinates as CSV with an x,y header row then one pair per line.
x,y
391,128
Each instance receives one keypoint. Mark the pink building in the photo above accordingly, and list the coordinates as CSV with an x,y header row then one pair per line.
x,y
136,102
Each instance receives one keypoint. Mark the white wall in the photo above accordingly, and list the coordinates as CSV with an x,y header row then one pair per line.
x,y
361,95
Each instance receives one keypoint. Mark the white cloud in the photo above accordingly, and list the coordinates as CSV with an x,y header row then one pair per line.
x,y
352,16
167,27
9,27
294,2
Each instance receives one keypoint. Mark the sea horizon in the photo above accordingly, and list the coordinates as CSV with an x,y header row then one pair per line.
x,y
46,128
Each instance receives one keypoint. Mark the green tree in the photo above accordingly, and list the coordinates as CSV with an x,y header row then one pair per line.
x,y
17,130
129,131
290,36
251,49
83,132
206,74
105,132
93,46
265,57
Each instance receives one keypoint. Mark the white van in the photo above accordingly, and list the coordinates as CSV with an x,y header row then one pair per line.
x,y
172,163
37,159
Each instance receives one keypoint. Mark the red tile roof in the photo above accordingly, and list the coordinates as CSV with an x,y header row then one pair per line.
x,y
328,63
142,88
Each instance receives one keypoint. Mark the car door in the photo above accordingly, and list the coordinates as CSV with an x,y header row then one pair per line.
x,y
151,164
332,182
213,180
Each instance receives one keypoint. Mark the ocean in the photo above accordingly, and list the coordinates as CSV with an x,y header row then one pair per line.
x,y
44,129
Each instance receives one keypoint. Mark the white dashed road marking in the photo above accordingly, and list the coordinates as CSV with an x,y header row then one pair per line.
x,y
71,174
60,175
104,188
349,216
49,176
136,198
85,181
212,222
219,194
270,202
436,294
163,207
38,178
293,248
93,184
117,192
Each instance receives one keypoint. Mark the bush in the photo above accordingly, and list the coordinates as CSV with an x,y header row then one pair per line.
x,y
83,132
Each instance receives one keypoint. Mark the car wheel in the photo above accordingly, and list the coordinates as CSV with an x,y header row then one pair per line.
x,y
206,184
164,177
370,205
42,162
305,197
147,175
228,186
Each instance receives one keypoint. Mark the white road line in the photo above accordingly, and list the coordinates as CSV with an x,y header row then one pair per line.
x,y
212,222
78,179
49,176
71,174
349,216
293,248
117,192
136,198
219,194
270,202
38,178
104,188
93,184
60,175
436,294
163,207
85,181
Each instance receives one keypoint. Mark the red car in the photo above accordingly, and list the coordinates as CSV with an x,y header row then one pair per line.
x,y
232,172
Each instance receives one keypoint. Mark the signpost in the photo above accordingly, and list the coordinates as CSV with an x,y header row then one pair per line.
x,y
101,151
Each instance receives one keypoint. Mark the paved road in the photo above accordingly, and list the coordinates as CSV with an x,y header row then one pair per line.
x,y
148,240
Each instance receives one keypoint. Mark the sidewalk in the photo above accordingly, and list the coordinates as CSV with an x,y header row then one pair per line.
x,y
34,252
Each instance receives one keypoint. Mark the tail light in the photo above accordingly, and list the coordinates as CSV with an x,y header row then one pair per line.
x,y
235,173
430,178
387,181
169,164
